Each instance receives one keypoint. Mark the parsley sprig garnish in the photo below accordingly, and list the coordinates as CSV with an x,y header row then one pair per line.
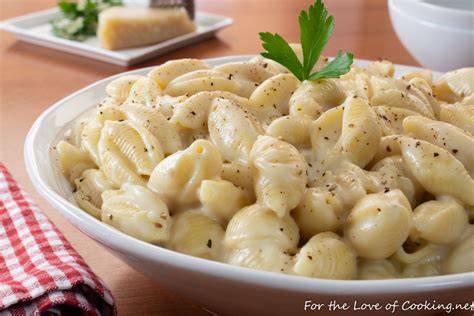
x,y
315,30
79,20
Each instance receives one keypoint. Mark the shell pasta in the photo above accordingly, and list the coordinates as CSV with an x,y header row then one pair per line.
x,y
365,176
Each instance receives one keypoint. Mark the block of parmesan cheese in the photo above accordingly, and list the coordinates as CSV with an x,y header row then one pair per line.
x,y
124,27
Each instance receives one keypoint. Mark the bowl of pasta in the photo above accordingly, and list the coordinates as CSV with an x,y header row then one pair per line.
x,y
232,177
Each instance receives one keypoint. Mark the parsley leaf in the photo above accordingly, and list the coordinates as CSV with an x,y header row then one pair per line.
x,y
68,8
338,66
280,51
80,19
316,28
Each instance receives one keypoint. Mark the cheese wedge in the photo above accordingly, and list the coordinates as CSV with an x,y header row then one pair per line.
x,y
125,27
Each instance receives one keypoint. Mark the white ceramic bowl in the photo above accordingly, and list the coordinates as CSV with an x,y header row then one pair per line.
x,y
218,287
439,37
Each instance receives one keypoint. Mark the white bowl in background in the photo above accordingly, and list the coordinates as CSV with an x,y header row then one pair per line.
x,y
453,4
456,14
219,287
438,37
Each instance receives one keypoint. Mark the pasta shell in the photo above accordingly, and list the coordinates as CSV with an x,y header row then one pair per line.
x,y
302,103
360,135
348,132
165,73
202,80
119,89
438,171
441,222
319,211
325,133
144,91
326,256
271,66
391,93
90,133
453,86
151,118
392,173
233,130
90,139
395,98
73,136
459,259
127,151
137,212
469,100
279,174
379,224
388,146
195,234
270,99
166,104
241,176
245,70
177,178
89,188
109,112
257,225
444,135
418,270
424,88
390,119
312,98
107,102
380,68
425,260
193,113
221,199
357,84
353,73
377,270
459,115
424,74
346,184
291,129
267,257
189,136
73,160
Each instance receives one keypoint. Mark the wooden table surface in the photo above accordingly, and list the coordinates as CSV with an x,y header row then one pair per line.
x,y
33,78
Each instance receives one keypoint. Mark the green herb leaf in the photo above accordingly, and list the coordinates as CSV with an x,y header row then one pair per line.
x,y
80,19
280,51
316,28
338,66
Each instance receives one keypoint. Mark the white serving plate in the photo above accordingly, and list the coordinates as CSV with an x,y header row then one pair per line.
x,y
219,287
35,28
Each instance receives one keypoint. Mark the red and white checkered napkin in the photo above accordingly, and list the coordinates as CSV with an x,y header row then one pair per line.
x,y
40,273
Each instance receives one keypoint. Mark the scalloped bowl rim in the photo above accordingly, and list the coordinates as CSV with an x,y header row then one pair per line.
x,y
114,239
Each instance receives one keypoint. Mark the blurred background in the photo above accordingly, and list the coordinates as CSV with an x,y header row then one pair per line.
x,y
362,26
